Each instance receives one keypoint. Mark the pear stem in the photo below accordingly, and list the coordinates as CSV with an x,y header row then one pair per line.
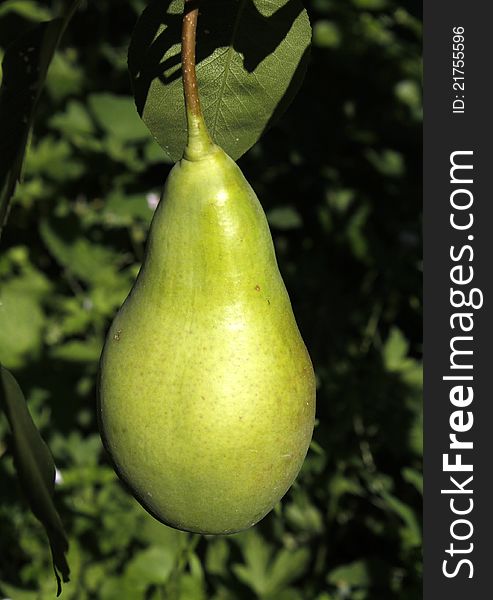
x,y
199,143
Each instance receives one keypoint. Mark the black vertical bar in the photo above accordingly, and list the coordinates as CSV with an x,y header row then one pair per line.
x,y
447,413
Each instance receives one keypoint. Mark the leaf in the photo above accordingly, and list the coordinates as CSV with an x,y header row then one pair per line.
x,y
18,594
395,350
351,575
284,217
217,556
409,93
87,260
191,588
124,210
79,352
287,566
257,554
35,469
304,516
21,317
412,530
265,574
151,566
74,122
287,594
371,4
155,533
65,76
326,35
28,9
46,157
387,162
251,59
116,115
414,478
21,325
24,66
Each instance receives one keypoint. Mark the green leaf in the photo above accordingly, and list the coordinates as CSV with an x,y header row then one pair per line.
x,y
412,531
24,66
18,594
257,554
395,350
90,262
21,317
351,575
287,566
414,478
46,157
284,217
65,77
387,162
326,35
217,556
395,354
122,210
304,516
81,352
409,93
155,533
74,122
251,60
265,575
28,9
371,4
117,117
191,588
151,566
36,470
287,594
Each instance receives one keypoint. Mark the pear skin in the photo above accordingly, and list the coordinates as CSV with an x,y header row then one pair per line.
x,y
206,391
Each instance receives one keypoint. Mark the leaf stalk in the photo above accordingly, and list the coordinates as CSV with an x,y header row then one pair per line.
x,y
199,143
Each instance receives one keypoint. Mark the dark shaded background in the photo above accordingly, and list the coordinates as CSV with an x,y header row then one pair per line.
x,y
339,178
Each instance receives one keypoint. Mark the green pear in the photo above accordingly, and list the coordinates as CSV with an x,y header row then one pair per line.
x,y
206,390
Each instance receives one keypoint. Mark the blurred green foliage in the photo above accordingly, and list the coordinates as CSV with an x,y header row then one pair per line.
x,y
339,178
